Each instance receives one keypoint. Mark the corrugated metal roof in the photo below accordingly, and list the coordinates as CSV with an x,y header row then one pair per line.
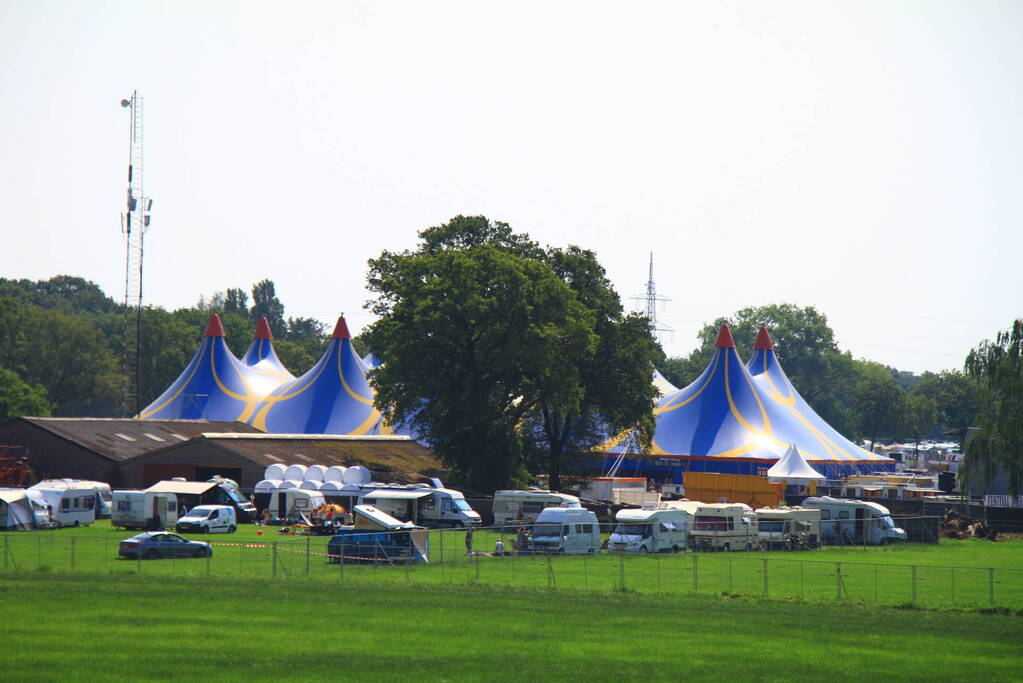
x,y
121,439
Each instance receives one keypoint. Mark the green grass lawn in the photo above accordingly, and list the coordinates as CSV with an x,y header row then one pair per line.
x,y
953,574
76,627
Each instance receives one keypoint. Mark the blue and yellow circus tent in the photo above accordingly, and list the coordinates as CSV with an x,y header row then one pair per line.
x,y
730,421
214,386
334,397
266,370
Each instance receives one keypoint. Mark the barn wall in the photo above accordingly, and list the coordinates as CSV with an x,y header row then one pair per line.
x,y
52,457
185,459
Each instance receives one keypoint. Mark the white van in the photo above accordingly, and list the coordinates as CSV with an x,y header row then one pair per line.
x,y
71,503
570,531
208,519
724,526
143,509
855,522
790,528
654,528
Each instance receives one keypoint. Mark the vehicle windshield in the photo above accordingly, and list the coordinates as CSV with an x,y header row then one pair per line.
x,y
772,525
886,522
105,495
236,496
631,529
200,511
460,504
546,530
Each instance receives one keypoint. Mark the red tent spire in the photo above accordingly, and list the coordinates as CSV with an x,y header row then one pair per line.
x,y
341,329
725,340
214,328
764,342
263,329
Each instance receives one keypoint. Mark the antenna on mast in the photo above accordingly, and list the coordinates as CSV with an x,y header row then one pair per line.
x,y
134,224
650,300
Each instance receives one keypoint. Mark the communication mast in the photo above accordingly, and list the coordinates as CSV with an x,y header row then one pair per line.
x,y
650,300
134,224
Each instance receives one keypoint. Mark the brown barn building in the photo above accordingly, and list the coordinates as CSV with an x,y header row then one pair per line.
x,y
244,457
97,448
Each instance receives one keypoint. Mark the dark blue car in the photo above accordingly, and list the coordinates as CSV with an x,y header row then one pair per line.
x,y
153,545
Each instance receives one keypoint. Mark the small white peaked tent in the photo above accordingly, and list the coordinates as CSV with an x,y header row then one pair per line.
x,y
792,468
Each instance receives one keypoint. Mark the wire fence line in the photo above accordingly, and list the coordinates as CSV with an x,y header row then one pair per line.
x,y
792,575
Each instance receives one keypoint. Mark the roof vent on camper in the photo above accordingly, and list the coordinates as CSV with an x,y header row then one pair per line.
x,y
178,479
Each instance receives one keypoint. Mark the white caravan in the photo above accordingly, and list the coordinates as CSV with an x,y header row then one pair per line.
x,y
208,519
23,509
522,507
423,505
724,526
288,505
789,527
855,522
565,530
143,509
654,528
72,503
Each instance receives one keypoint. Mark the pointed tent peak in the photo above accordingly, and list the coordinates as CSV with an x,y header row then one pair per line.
x,y
263,329
341,329
725,340
214,328
763,340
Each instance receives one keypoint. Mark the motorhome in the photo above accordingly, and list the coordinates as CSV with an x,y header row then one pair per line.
x,y
855,522
570,531
379,537
208,519
789,528
290,505
654,528
522,507
72,503
723,526
144,509
422,504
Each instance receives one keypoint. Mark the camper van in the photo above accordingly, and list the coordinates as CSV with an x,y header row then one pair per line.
x,y
855,522
72,503
723,526
517,507
654,528
208,519
288,505
422,504
143,509
570,531
789,528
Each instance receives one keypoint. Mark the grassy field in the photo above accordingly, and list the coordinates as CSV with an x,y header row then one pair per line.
x,y
75,627
954,574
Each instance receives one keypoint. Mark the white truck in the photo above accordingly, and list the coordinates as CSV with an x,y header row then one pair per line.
x,y
72,503
208,519
789,528
143,509
522,507
723,526
855,522
655,528
422,504
569,531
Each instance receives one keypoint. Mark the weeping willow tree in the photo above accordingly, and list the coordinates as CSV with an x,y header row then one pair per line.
x,y
997,445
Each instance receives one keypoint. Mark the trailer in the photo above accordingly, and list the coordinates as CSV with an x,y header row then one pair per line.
x,y
292,505
522,507
855,522
724,526
144,509
654,528
789,528
72,503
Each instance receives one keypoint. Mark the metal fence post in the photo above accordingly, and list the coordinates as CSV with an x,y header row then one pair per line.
x,y
696,574
952,583
308,551
7,551
765,577
838,581
477,579
74,540
990,585
914,583
550,574
729,572
273,560
621,571
658,560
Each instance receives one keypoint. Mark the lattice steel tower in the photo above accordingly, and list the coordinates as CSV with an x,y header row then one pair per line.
x,y
134,223
650,300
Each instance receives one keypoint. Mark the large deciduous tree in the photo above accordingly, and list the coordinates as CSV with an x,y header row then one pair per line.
x,y
19,398
478,329
997,446
265,302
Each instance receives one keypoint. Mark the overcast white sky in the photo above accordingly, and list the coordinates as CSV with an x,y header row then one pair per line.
x,y
860,157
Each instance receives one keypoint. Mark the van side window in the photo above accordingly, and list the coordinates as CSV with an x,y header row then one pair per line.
x,y
89,503
65,504
843,514
214,514
587,528
446,505
825,514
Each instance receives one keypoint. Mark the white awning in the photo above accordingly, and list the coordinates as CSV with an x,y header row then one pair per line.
x,y
193,488
396,495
